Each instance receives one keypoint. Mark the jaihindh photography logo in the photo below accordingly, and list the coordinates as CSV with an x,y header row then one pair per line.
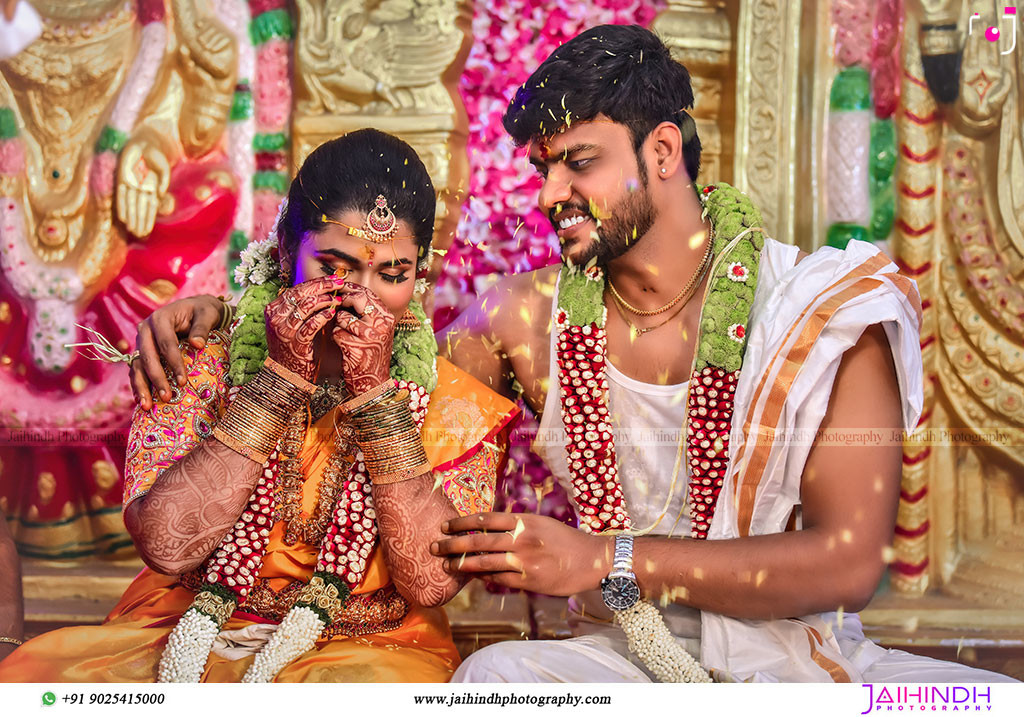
x,y
928,698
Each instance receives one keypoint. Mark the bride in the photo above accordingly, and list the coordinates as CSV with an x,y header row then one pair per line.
x,y
286,491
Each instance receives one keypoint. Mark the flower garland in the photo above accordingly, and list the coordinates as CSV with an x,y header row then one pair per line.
x,y
241,131
268,100
581,347
232,569
53,290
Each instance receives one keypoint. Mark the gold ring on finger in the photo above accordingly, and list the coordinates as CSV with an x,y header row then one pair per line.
x,y
370,308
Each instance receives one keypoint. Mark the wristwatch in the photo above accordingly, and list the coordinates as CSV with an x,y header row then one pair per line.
x,y
620,590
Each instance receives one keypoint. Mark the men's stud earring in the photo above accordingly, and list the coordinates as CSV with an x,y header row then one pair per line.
x,y
663,170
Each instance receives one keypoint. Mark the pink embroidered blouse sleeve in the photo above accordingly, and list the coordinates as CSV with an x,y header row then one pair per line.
x,y
184,489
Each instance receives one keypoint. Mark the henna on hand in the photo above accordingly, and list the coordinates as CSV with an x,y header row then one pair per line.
x,y
409,518
191,507
365,340
295,318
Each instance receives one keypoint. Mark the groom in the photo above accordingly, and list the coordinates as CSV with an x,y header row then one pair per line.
x,y
673,314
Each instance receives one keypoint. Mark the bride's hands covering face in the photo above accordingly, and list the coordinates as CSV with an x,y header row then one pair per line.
x,y
364,333
295,318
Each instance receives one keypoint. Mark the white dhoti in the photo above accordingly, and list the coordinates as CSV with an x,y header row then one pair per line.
x,y
804,317
603,656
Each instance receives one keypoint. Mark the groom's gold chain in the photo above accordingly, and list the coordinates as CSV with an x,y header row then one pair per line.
x,y
688,289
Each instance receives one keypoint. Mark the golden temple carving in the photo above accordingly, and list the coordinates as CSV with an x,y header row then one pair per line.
x,y
767,97
63,86
393,65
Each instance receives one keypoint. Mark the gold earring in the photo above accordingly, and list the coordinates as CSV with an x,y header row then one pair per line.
x,y
407,322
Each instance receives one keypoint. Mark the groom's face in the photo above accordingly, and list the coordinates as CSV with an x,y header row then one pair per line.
x,y
595,190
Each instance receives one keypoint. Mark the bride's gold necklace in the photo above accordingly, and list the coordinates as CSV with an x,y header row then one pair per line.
x,y
312,529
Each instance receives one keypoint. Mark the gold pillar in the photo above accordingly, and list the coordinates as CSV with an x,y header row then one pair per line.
x,y
767,100
698,34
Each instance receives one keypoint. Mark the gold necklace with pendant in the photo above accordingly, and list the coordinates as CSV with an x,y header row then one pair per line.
x,y
635,331
312,529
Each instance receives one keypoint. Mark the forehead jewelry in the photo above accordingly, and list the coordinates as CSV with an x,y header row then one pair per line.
x,y
380,227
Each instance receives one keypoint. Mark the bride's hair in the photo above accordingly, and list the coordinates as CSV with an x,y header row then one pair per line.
x,y
349,173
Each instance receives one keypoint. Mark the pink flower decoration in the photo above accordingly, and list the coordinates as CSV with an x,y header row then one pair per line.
x,y
12,157
885,57
273,91
101,177
264,212
852,21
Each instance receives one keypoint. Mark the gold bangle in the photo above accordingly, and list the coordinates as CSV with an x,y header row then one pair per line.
x,y
238,447
388,410
12,641
290,376
401,475
364,400
394,445
227,313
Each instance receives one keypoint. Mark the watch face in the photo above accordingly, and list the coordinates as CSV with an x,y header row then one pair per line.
x,y
620,593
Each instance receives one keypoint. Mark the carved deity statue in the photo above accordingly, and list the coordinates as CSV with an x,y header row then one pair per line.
x,y
961,236
114,194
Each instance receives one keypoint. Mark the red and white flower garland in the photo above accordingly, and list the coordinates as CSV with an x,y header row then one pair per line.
x,y
233,568
581,356
583,381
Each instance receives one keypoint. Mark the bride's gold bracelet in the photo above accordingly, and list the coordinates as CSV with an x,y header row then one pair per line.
x,y
256,419
388,438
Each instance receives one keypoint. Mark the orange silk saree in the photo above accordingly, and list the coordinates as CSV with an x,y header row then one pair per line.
x,y
382,637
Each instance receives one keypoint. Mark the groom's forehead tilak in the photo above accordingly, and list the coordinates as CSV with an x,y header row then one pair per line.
x,y
579,136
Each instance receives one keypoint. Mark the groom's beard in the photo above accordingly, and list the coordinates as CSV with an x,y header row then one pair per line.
x,y
628,222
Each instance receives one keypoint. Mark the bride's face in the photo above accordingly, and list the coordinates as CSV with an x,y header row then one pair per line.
x,y
388,270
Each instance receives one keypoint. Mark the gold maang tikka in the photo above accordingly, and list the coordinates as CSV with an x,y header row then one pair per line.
x,y
380,227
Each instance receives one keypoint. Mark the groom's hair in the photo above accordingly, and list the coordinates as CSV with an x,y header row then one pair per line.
x,y
624,72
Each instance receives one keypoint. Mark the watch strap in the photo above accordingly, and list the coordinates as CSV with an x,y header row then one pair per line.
x,y
622,559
